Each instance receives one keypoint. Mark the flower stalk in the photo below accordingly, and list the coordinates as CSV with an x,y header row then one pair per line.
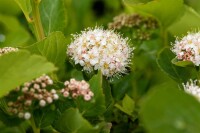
x,y
35,129
37,24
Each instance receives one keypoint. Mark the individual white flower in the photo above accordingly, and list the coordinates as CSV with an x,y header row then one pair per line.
x,y
6,50
98,49
192,88
188,48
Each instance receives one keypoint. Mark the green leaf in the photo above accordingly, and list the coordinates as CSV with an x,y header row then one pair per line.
x,y
108,96
97,105
71,121
25,6
107,92
9,120
19,67
121,86
53,48
44,117
10,29
13,7
128,105
195,4
189,22
182,63
169,110
54,16
180,74
166,11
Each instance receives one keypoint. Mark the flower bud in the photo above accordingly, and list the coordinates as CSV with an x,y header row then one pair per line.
x,y
27,115
42,103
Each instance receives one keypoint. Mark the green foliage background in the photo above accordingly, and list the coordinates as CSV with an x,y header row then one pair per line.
x,y
147,100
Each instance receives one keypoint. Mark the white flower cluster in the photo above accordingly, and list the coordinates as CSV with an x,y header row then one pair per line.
x,y
30,92
98,49
77,88
188,48
6,50
192,88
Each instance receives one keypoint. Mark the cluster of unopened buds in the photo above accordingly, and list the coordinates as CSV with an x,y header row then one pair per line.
x,y
6,50
132,20
188,48
98,49
76,88
192,88
142,25
33,91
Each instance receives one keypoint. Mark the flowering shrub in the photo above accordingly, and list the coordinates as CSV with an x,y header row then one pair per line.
x,y
84,66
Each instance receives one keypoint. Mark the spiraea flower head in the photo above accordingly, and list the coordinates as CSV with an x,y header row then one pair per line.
x,y
192,88
98,49
6,50
188,48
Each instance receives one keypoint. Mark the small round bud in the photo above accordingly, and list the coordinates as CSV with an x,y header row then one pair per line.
x,y
72,80
43,85
21,115
38,80
62,90
36,96
36,86
27,115
40,96
42,103
33,90
24,89
87,97
53,91
15,111
49,100
17,89
10,103
20,98
27,84
74,95
50,82
91,93
55,96
66,83
66,94
28,102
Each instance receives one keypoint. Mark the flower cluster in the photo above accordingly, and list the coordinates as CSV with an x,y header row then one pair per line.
x,y
33,91
7,50
75,88
188,48
142,25
100,49
192,88
132,20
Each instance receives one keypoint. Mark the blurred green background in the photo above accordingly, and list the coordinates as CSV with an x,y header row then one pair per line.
x,y
145,73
